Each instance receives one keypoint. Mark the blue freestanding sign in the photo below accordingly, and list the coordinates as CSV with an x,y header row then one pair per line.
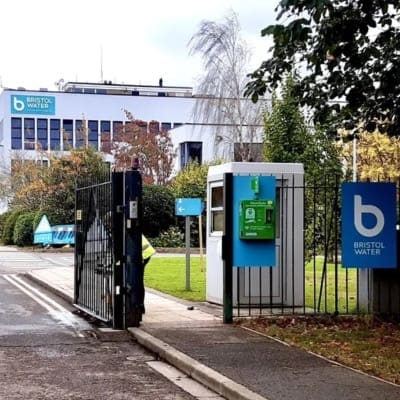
x,y
188,207
369,225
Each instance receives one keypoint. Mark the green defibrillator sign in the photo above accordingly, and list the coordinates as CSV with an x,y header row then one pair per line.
x,y
257,219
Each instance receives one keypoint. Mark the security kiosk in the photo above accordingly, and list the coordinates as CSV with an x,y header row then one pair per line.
x,y
262,213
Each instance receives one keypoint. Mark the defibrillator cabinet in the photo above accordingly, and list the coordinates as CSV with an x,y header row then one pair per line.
x,y
265,213
257,219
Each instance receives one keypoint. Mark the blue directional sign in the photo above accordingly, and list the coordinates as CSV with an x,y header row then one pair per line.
x,y
369,225
188,207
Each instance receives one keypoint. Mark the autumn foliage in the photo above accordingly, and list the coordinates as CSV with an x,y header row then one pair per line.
x,y
378,156
148,143
51,189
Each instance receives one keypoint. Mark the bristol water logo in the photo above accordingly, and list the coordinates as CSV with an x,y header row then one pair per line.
x,y
359,210
369,238
22,104
18,105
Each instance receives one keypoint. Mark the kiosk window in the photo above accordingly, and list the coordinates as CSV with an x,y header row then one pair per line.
x,y
217,210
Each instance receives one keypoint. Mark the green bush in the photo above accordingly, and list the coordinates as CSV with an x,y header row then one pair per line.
x,y
23,230
158,209
191,181
173,237
3,218
8,230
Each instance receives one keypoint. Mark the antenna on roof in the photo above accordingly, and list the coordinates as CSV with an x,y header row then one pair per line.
x,y
101,63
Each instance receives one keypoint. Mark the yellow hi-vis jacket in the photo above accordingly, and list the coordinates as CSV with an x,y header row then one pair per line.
x,y
147,249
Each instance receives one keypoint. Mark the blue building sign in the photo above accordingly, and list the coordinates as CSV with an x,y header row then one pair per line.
x,y
22,104
369,225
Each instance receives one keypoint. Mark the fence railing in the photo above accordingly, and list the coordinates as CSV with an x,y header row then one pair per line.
x,y
323,286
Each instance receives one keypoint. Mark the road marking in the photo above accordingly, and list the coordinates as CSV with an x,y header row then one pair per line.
x,y
57,311
28,261
65,261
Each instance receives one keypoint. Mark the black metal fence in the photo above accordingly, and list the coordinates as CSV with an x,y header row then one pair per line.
x,y
312,280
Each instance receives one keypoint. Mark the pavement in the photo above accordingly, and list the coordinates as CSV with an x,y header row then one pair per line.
x,y
234,362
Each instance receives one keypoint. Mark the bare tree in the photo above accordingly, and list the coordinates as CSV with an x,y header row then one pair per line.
x,y
236,122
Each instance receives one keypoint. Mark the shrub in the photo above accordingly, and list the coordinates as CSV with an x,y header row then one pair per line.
x,y
3,218
8,230
158,209
173,237
23,230
191,181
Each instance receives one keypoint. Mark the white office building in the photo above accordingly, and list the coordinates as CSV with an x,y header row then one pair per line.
x,y
34,122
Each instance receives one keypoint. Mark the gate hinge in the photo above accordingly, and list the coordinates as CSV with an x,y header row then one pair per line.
x,y
122,260
120,208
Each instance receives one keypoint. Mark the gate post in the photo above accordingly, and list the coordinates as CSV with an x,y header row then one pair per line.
x,y
227,244
134,286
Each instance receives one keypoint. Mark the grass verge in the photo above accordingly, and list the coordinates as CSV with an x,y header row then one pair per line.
x,y
368,344
364,343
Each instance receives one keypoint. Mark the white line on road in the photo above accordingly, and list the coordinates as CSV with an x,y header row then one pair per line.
x,y
66,261
57,311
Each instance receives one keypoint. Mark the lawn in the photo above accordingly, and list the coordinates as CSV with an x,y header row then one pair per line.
x,y
168,275
320,288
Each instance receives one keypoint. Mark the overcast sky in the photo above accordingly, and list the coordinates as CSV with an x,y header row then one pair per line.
x,y
140,40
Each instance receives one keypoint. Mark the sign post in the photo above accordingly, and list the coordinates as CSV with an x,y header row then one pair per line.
x,y
187,207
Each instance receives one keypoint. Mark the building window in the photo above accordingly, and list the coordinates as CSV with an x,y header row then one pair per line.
x,y
29,134
191,151
42,133
166,126
55,134
43,163
154,126
67,134
105,136
79,134
117,130
93,134
16,133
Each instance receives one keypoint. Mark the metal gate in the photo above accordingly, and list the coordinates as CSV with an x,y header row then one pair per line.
x,y
108,264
